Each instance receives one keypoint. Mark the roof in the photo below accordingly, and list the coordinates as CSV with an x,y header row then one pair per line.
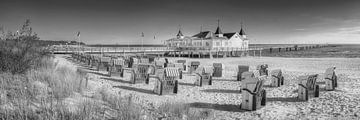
x,y
229,35
203,34
179,33
242,32
218,30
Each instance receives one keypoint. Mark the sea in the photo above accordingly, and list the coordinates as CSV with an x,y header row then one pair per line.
x,y
264,46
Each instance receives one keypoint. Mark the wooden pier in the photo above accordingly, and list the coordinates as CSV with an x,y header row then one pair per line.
x,y
183,52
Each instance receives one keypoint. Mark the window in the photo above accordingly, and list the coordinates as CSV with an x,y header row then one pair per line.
x,y
226,43
207,44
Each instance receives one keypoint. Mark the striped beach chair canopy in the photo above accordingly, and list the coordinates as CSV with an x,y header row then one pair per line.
x,y
172,72
119,62
144,60
256,73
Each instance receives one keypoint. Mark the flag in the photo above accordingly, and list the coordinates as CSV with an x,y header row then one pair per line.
x,y
78,34
142,34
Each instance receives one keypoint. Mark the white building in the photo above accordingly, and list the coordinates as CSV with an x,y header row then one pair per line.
x,y
210,40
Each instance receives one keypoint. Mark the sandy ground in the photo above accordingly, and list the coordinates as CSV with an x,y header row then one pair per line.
x,y
224,98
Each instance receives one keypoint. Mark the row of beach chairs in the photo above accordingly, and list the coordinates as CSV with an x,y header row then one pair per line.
x,y
167,74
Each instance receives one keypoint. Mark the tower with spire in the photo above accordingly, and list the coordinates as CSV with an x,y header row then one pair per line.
x,y
242,32
180,35
218,31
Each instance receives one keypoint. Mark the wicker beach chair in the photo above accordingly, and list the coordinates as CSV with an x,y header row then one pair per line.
x,y
193,66
308,87
253,94
104,64
167,81
117,67
141,73
133,62
95,60
184,64
277,79
204,75
330,79
179,66
159,64
246,75
263,69
241,69
218,69
144,61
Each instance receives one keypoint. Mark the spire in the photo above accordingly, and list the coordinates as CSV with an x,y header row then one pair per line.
x,y
180,35
218,30
242,32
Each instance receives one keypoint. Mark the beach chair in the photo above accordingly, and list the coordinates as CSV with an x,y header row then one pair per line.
x,y
193,66
151,59
308,87
184,64
179,66
104,64
241,69
253,94
144,61
140,73
159,64
246,75
276,78
169,65
263,69
218,69
95,60
167,81
88,60
204,75
133,62
83,58
330,79
117,67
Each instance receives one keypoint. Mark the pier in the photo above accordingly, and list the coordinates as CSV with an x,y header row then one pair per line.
x,y
191,52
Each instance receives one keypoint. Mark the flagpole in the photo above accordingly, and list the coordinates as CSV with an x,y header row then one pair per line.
x,y
142,43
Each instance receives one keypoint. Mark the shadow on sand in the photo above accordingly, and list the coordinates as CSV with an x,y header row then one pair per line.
x,y
135,89
229,80
115,80
186,84
282,99
101,74
221,91
221,107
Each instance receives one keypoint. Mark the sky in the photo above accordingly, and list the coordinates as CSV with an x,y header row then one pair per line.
x,y
123,21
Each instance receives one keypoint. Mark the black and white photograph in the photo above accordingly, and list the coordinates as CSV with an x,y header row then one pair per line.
x,y
179,60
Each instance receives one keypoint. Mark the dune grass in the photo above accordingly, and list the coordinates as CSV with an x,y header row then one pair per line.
x,y
40,94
